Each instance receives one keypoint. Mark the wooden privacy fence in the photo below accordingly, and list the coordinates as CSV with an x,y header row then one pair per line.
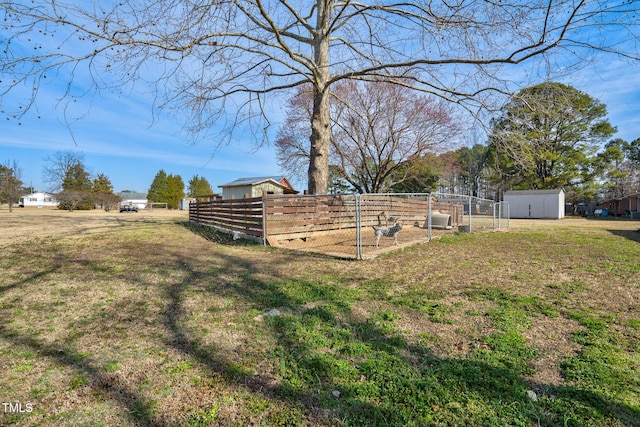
x,y
233,215
290,217
282,217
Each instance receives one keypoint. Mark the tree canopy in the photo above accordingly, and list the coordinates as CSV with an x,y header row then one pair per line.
x,y
58,165
76,189
159,188
10,183
547,137
620,170
102,191
219,64
167,189
199,186
176,191
377,128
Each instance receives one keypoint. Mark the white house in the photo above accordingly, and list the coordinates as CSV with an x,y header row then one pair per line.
x,y
129,198
39,199
535,203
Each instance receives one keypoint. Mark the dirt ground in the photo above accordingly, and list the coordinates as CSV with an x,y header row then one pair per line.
x,y
24,224
343,243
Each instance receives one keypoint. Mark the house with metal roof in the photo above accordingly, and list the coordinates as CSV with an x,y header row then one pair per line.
x,y
256,186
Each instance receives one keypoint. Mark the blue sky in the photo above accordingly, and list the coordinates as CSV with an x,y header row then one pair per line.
x,y
121,138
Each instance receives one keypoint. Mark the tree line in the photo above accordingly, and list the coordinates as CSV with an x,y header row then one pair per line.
x,y
75,189
389,139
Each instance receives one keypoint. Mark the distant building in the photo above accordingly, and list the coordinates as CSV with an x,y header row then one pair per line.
x,y
628,206
130,198
39,199
184,203
543,204
254,187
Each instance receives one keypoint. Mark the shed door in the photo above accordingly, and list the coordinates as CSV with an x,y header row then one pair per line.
x,y
537,207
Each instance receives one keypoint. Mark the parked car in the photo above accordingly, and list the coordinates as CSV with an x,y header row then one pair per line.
x,y
128,208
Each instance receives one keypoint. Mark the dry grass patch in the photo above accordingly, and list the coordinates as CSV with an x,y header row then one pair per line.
x,y
149,321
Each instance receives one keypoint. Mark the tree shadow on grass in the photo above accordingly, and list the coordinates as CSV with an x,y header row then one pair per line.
x,y
633,235
137,409
320,347
338,368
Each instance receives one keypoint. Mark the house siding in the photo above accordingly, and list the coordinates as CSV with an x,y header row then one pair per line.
x,y
239,192
628,205
39,200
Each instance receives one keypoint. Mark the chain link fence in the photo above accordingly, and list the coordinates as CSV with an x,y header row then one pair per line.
x,y
351,226
365,225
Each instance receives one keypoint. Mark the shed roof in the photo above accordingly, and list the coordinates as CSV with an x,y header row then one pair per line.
x,y
533,192
130,195
241,182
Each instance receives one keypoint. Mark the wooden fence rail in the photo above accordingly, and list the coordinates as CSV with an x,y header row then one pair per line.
x,y
290,217
241,215
278,217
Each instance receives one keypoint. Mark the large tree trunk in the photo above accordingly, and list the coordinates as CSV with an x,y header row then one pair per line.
x,y
320,119
320,142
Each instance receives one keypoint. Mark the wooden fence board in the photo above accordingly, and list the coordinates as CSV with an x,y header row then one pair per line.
x,y
295,216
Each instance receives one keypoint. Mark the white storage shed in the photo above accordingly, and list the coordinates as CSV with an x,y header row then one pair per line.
x,y
547,204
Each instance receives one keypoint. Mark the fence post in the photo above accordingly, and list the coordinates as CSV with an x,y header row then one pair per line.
x,y
264,219
429,215
508,215
494,217
358,228
470,229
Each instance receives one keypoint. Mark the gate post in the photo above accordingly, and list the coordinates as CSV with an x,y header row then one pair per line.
x,y
264,219
358,227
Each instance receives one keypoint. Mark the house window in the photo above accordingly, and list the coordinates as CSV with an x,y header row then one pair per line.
x,y
33,199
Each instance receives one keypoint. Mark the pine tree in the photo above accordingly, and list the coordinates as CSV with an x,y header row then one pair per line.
x,y
159,189
102,184
175,191
102,190
76,189
10,183
76,178
199,186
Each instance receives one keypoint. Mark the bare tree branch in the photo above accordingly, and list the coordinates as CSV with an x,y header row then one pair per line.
x,y
215,63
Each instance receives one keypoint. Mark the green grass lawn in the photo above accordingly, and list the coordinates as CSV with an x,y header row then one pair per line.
x,y
164,323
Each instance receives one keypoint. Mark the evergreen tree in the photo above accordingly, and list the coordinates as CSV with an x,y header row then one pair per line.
x,y
102,184
175,191
10,183
421,174
159,189
547,136
102,190
76,182
77,178
199,186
